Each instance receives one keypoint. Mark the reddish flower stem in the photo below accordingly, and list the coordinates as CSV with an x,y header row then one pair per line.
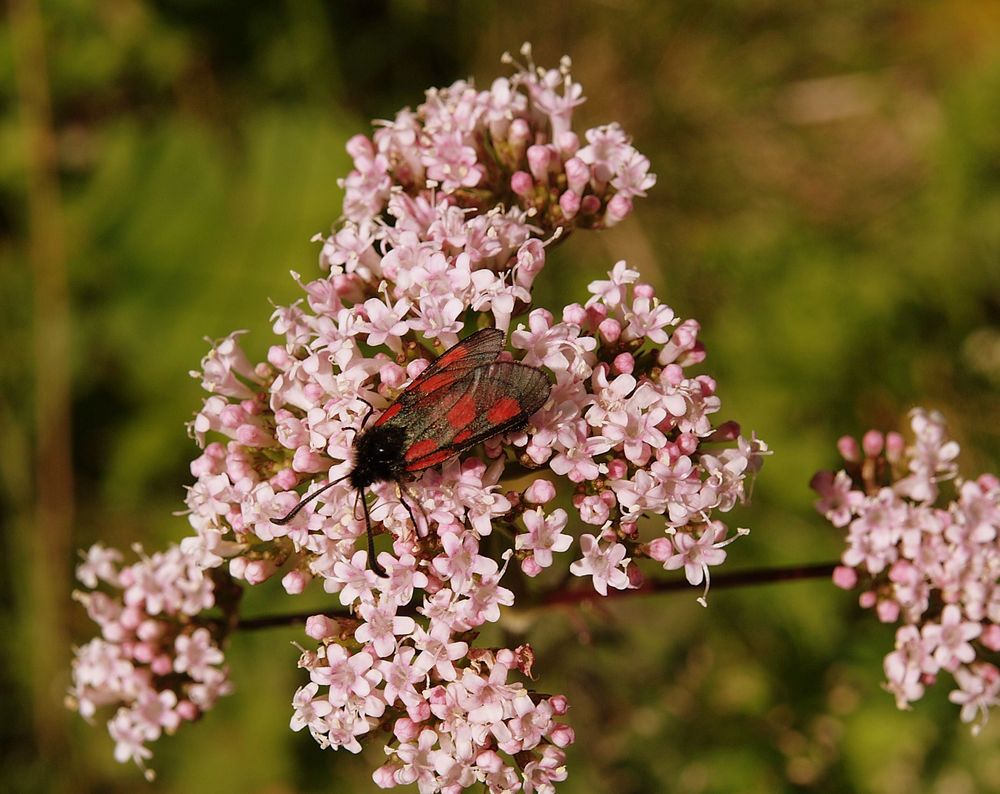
x,y
579,595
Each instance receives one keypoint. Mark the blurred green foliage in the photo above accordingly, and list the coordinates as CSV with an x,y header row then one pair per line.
x,y
828,208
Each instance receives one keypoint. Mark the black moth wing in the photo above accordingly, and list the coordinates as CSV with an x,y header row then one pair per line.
x,y
483,403
476,350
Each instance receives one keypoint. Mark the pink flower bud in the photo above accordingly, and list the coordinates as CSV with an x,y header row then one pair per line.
x,y
253,436
162,665
360,147
295,582
618,209
590,204
519,132
530,567
114,632
849,449
900,571
237,567
320,627
569,203
419,712
279,358
568,143
642,290
522,184
727,431
232,416
895,446
538,162
559,704
635,577
872,443
309,460
624,363
187,710
673,375
867,599
203,466
392,375
238,468
385,776
617,469
887,611
562,735
596,314
707,383
687,443
252,407
259,571
610,329
313,392
406,730
284,480
149,630
416,366
990,637
130,617
660,549
489,761
577,175
844,577
575,314
143,652
540,492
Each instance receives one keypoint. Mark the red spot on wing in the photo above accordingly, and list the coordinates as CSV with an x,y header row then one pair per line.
x,y
462,437
430,460
462,412
389,412
420,449
503,410
436,381
451,357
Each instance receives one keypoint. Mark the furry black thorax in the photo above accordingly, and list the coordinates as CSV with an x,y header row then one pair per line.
x,y
378,456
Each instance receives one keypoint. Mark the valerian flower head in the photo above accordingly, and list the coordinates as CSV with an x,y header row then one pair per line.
x,y
924,560
154,667
450,211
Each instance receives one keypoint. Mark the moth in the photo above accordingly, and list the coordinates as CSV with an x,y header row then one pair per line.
x,y
463,397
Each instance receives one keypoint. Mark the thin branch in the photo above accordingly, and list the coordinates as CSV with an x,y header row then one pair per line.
x,y
580,595
722,580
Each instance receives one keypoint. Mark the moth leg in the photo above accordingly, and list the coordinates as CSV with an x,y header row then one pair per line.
x,y
412,497
372,562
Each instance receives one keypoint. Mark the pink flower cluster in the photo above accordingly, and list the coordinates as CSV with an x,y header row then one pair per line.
x,y
448,215
452,726
922,545
509,147
155,662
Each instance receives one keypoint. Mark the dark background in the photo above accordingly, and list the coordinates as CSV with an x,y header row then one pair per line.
x,y
828,208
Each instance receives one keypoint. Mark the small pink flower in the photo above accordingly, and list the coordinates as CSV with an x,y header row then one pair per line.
x,y
544,535
605,565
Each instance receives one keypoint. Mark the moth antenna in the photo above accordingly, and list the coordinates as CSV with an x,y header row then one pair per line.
x,y
302,503
367,415
375,566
